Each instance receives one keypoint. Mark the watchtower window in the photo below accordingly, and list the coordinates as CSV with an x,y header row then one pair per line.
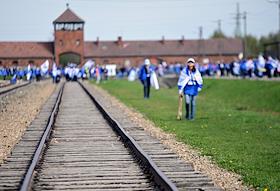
x,y
77,42
69,26
60,43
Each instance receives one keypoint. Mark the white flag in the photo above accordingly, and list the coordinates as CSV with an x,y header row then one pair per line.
x,y
45,67
89,64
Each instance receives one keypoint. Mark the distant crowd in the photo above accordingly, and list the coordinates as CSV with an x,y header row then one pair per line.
x,y
242,68
251,68
245,68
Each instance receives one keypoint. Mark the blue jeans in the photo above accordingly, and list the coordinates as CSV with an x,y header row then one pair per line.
x,y
190,106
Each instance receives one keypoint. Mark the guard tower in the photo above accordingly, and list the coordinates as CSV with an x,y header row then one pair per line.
x,y
69,38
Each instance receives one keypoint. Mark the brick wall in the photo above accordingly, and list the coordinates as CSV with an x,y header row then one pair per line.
x,y
23,62
69,42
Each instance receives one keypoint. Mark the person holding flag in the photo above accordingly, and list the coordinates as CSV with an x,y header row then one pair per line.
x,y
145,74
13,79
38,74
190,83
54,72
45,67
29,73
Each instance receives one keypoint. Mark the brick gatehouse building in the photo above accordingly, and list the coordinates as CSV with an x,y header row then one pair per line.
x,y
69,46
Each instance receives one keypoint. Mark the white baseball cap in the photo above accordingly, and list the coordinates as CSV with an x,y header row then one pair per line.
x,y
191,60
147,62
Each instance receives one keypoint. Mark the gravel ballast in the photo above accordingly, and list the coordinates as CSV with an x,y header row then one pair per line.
x,y
18,109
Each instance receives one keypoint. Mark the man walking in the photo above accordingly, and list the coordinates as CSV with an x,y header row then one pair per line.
x,y
190,83
145,77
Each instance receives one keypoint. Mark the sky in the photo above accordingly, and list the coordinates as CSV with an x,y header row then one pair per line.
x,y
31,20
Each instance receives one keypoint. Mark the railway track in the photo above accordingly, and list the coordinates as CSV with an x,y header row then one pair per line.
x,y
10,88
86,148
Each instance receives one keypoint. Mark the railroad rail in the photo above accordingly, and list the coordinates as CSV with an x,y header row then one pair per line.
x,y
81,145
10,88
6,84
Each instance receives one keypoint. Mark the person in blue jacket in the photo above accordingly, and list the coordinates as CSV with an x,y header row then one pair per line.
x,y
190,83
145,77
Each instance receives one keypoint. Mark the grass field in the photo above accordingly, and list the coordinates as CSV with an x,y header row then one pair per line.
x,y
237,123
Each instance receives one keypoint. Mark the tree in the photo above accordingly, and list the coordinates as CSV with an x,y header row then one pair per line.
x,y
218,34
252,45
270,45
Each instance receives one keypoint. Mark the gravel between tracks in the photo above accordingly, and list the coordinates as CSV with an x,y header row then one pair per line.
x,y
17,111
223,178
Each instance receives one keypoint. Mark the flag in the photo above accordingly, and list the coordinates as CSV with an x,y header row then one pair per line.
x,y
45,67
29,72
154,81
132,75
89,64
54,70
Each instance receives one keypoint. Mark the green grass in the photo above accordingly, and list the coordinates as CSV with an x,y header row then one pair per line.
x,y
7,78
237,123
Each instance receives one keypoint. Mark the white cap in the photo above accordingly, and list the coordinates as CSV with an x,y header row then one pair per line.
x,y
147,62
191,60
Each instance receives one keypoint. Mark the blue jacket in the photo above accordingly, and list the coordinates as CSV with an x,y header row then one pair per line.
x,y
190,82
142,73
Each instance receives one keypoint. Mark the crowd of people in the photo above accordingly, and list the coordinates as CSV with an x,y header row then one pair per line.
x,y
71,72
190,74
245,68
21,73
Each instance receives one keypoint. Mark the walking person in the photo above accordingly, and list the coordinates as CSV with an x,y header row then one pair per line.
x,y
190,83
145,77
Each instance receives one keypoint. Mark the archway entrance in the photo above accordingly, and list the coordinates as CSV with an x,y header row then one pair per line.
x,y
67,58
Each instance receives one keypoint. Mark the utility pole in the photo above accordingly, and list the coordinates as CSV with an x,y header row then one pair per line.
x,y
237,22
220,25
245,33
200,43
200,28
219,30
278,2
245,23
278,46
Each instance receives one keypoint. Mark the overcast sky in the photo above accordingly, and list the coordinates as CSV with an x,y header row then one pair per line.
x,y
31,20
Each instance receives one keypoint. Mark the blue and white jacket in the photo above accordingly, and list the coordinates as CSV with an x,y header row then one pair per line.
x,y
189,82
142,73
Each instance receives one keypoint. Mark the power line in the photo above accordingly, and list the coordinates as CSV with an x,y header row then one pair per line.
x,y
278,2
237,21
219,23
245,33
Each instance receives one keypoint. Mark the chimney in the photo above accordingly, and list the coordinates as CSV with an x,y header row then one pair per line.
x,y
119,42
182,41
97,41
162,40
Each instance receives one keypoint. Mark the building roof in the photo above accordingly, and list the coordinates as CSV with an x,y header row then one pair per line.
x,y
26,50
127,48
68,16
163,48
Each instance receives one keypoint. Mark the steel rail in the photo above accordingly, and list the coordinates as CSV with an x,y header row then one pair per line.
x,y
36,157
5,85
11,89
146,162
